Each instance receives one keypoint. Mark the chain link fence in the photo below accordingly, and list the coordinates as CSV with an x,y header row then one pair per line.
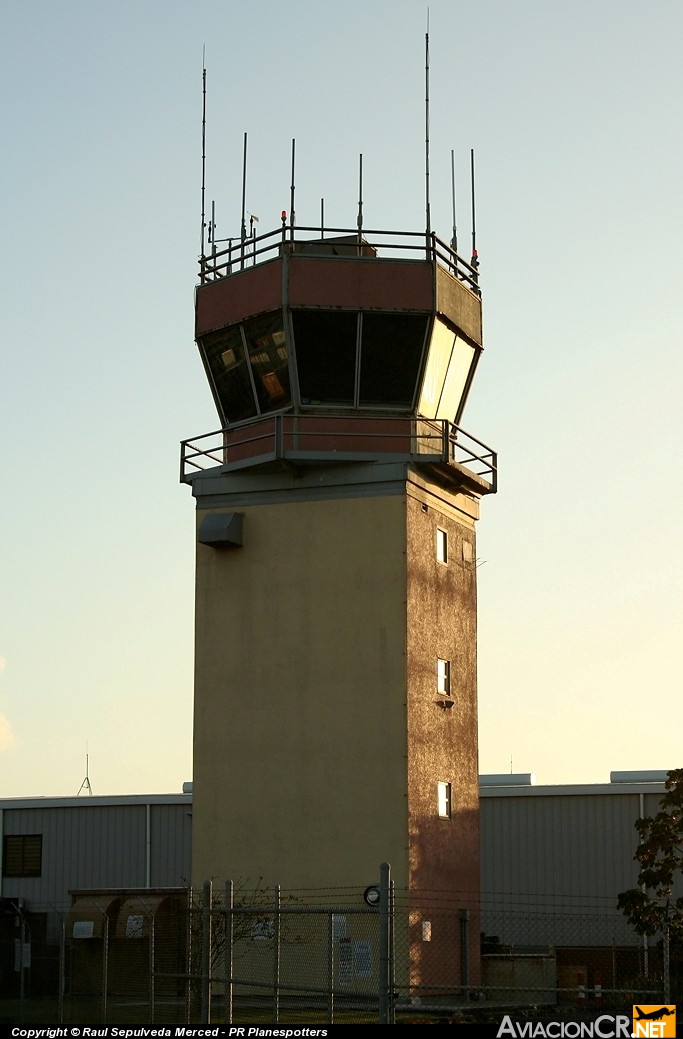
x,y
232,955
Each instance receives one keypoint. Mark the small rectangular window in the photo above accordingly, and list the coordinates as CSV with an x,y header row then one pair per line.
x,y
22,855
444,800
441,545
443,677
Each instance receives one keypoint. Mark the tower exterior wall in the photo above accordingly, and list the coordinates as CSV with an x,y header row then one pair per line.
x,y
300,755
442,736
442,740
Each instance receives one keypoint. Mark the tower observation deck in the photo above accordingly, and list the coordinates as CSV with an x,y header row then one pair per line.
x,y
332,345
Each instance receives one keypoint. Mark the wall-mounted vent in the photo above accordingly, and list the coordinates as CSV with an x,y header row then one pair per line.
x,y
221,530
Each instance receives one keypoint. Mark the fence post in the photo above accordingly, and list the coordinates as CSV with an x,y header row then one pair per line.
x,y
465,952
228,931
151,968
206,953
384,943
330,969
62,968
105,968
189,956
22,949
276,956
392,950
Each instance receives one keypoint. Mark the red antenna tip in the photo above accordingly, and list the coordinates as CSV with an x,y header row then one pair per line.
x,y
283,214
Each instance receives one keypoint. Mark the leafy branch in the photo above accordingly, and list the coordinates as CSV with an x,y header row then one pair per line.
x,y
651,907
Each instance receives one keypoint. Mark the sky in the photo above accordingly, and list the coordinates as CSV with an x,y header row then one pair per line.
x,y
574,115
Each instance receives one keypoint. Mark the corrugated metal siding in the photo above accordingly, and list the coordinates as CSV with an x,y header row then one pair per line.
x,y
553,866
88,847
580,846
171,828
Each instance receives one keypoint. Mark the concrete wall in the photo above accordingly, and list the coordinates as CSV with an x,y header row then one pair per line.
x,y
319,741
300,722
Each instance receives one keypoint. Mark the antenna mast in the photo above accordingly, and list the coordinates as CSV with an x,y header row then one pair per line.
x,y
454,239
359,221
243,228
85,785
291,196
203,149
428,226
475,257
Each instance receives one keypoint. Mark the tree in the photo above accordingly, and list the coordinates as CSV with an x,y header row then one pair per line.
x,y
651,907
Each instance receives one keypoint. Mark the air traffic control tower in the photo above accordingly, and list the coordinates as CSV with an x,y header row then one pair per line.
x,y
335,706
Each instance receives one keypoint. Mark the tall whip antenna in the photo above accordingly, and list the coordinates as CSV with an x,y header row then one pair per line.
x,y
359,220
203,148
243,226
427,207
291,195
454,239
475,256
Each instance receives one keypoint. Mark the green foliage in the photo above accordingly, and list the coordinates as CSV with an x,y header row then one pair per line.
x,y
651,907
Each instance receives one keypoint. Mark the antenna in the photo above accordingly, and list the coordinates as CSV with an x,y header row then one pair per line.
x,y
428,226
475,256
359,221
212,227
243,227
85,785
203,146
454,239
291,195
253,219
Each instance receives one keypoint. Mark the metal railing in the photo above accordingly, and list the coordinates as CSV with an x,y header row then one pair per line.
x,y
240,253
316,437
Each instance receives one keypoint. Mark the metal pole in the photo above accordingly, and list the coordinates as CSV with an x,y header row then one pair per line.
x,y
206,953
62,969
465,952
243,227
229,928
475,255
276,956
203,162
22,980
105,968
330,970
384,943
212,235
428,217
151,969
190,956
454,239
359,222
291,199
392,952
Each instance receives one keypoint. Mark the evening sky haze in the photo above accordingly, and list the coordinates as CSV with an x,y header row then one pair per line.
x,y
574,112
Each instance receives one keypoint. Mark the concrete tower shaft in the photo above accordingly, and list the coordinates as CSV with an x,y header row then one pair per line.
x,y
335,631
